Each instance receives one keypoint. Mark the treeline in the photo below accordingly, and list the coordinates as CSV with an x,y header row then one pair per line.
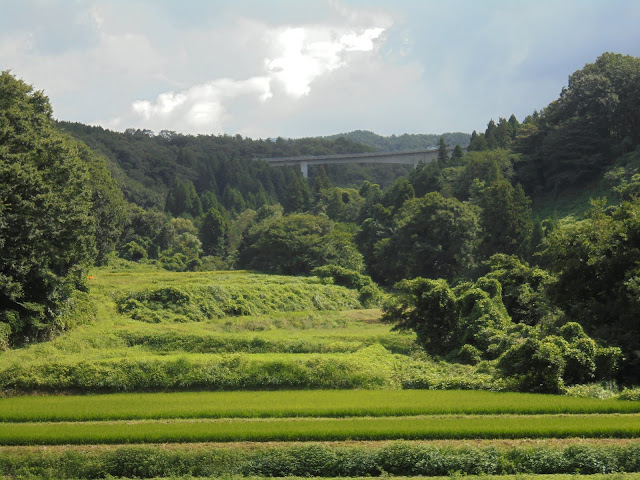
x,y
577,137
407,141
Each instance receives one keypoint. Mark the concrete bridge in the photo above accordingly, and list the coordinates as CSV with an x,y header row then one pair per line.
x,y
412,157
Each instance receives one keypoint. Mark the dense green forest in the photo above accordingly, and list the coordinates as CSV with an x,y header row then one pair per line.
x,y
466,264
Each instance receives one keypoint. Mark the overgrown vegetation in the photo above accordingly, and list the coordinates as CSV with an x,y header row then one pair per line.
x,y
316,459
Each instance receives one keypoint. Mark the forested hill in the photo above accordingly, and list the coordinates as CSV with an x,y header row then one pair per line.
x,y
148,165
398,143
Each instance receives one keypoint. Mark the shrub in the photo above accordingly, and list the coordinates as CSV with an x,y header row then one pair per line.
x,y
370,294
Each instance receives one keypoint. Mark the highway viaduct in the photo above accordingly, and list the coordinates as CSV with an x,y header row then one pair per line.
x,y
413,157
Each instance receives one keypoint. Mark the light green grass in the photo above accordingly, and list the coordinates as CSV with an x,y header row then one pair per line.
x,y
322,429
278,350
301,403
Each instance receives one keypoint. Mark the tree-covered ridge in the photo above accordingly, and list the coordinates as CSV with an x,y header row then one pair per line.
x,y
150,166
573,140
406,141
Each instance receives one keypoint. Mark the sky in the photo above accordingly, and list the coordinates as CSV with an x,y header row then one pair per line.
x,y
300,68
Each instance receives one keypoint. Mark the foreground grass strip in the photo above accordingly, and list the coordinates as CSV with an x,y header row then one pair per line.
x,y
312,460
436,427
297,403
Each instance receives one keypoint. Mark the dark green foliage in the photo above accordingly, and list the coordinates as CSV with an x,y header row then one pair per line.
x,y
182,198
457,155
597,261
397,194
297,195
547,363
108,206
133,251
399,143
505,218
478,143
47,220
214,233
146,229
595,119
443,156
524,290
427,178
470,323
537,364
427,307
340,204
434,237
297,243
624,178
319,182
488,167
232,200
148,167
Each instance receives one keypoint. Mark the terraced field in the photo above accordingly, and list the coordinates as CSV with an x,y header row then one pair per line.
x,y
242,375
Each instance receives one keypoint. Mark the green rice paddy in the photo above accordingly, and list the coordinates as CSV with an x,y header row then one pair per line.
x,y
297,403
322,429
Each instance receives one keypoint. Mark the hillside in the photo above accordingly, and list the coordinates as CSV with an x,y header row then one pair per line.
x,y
157,330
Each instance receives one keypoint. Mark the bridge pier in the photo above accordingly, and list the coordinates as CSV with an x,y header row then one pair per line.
x,y
304,167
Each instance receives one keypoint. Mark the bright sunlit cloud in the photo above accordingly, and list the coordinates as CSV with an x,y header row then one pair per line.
x,y
302,55
199,109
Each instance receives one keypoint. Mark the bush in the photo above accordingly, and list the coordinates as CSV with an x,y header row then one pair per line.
x,y
469,355
632,394
370,294
133,251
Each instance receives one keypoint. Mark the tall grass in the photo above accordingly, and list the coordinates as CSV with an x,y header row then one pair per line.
x,y
297,403
193,371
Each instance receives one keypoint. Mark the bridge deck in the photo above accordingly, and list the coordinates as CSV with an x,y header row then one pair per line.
x,y
411,157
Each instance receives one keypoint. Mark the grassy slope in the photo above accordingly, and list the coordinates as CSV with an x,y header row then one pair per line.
x,y
288,343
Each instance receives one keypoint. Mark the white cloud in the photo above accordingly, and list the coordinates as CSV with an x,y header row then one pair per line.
x,y
308,53
301,55
199,109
